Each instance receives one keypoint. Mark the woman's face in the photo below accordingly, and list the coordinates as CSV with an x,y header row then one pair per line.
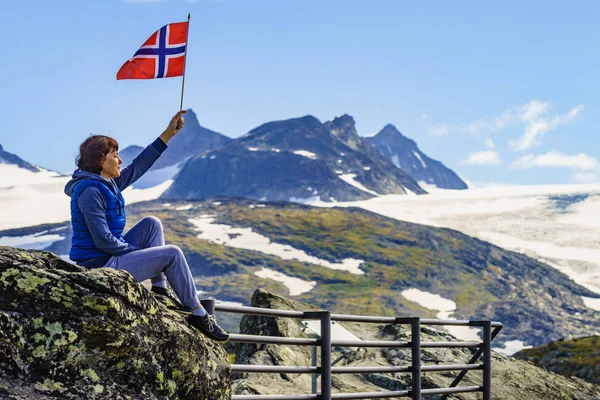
x,y
111,166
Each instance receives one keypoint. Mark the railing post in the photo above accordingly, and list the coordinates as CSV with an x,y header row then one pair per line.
x,y
487,360
325,356
415,343
313,363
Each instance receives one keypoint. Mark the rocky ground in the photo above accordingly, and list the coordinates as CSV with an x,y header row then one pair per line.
x,y
66,332
576,357
511,379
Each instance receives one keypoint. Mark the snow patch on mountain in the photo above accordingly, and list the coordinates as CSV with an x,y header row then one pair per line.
x,y
305,153
35,241
511,347
349,179
34,198
156,177
296,286
445,307
420,159
305,200
245,238
594,304
12,175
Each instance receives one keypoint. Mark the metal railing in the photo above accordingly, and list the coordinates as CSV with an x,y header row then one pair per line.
x,y
325,370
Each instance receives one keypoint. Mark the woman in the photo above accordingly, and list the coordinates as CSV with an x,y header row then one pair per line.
x,y
98,220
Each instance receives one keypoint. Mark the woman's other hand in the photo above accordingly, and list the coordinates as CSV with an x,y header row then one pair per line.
x,y
175,126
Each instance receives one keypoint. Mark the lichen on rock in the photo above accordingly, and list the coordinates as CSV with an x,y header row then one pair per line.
x,y
69,332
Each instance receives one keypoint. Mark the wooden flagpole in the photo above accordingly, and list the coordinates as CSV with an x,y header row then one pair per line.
x,y
187,35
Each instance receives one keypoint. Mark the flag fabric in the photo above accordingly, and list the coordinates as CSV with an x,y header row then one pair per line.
x,y
161,56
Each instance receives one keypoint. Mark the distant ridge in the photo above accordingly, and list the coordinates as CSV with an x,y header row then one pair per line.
x,y
193,139
12,159
406,155
298,159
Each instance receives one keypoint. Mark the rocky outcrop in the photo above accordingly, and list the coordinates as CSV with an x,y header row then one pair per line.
x,y
576,357
511,379
72,333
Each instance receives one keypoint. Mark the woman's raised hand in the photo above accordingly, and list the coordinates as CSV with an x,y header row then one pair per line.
x,y
177,122
174,126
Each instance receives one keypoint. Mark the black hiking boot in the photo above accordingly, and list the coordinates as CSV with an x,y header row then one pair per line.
x,y
208,326
169,300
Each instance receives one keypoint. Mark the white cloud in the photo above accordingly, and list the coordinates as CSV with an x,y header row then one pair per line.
x,y
537,124
487,157
533,116
579,161
489,143
491,125
439,130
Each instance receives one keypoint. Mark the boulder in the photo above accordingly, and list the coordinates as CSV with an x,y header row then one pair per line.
x,y
69,332
511,379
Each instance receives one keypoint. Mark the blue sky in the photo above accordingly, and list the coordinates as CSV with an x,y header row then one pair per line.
x,y
502,92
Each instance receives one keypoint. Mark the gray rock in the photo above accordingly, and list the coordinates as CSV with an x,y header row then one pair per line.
x,y
511,379
579,357
72,333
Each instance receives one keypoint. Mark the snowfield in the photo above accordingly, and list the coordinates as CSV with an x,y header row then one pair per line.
x,y
33,198
556,224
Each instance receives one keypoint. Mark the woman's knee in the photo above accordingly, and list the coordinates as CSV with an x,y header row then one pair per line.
x,y
152,220
174,251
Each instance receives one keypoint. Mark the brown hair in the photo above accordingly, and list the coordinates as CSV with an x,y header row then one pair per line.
x,y
93,151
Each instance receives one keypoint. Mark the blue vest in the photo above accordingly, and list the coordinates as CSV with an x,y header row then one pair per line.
x,y
82,245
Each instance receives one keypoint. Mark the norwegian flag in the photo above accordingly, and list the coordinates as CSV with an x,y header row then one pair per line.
x,y
161,56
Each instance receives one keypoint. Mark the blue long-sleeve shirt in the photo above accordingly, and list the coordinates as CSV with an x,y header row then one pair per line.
x,y
92,203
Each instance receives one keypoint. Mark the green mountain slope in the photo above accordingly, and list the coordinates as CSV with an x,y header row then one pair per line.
x,y
535,302
577,357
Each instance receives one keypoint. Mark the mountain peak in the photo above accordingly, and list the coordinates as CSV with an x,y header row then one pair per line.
x,y
406,155
344,118
390,128
301,124
390,131
190,114
309,119
191,140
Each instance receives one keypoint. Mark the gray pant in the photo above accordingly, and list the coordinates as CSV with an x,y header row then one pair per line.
x,y
156,261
